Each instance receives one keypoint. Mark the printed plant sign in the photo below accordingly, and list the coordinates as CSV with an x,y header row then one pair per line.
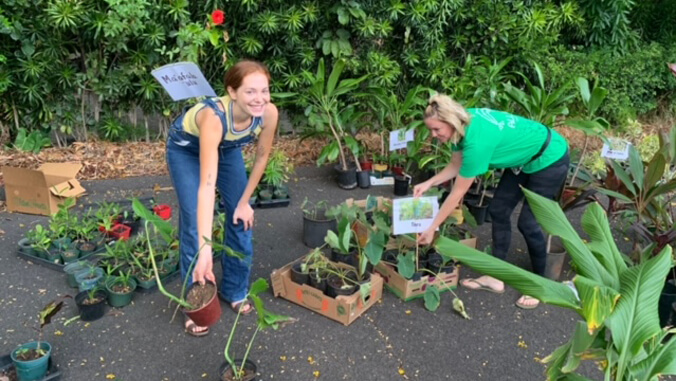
x,y
399,138
413,215
183,80
616,148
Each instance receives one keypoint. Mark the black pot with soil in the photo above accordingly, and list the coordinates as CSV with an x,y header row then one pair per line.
x,y
337,285
297,274
346,178
348,259
479,211
250,370
315,228
401,185
92,305
318,281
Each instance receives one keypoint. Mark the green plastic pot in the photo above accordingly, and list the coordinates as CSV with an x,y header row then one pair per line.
x,y
62,243
53,255
119,299
34,369
70,255
72,269
26,247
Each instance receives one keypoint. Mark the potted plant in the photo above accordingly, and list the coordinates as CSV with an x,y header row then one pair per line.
x,y
40,241
31,360
86,280
316,223
618,301
120,289
276,174
91,303
199,302
325,96
61,225
242,369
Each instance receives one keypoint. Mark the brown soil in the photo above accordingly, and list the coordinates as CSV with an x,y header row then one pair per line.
x,y
121,288
29,355
200,295
95,300
229,376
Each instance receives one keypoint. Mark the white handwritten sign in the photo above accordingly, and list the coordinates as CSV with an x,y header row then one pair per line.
x,y
616,148
413,214
399,138
183,80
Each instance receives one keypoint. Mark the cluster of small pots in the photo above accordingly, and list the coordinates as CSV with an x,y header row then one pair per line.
x,y
428,259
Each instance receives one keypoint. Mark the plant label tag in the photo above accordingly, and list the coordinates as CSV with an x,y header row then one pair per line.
x,y
413,214
399,138
183,80
616,148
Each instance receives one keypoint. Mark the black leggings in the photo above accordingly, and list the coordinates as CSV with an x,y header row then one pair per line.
x,y
546,182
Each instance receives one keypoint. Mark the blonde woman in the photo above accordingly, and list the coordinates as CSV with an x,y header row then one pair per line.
x,y
535,156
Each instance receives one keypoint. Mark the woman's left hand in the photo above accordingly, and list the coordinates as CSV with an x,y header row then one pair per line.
x,y
426,237
245,213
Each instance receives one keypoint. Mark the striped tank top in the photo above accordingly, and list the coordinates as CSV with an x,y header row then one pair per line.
x,y
230,134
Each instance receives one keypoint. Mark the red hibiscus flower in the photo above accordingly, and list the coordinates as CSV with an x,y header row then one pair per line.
x,y
218,17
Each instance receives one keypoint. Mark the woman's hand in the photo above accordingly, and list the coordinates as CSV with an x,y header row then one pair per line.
x,y
426,237
204,268
421,188
245,213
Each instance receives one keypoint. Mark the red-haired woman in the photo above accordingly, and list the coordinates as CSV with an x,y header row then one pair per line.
x,y
203,154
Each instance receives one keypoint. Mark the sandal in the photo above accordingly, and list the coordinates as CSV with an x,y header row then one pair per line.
x,y
245,306
474,284
191,329
521,302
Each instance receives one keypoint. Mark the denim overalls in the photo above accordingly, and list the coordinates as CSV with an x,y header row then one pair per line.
x,y
184,168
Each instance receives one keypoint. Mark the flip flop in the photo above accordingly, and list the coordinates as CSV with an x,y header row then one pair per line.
x,y
243,306
524,306
191,329
480,286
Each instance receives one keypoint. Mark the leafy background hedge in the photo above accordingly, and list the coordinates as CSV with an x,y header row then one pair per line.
x,y
73,68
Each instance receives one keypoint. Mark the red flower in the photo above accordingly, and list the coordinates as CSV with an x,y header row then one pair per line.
x,y
218,17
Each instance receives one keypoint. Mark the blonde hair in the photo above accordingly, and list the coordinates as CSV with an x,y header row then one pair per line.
x,y
445,109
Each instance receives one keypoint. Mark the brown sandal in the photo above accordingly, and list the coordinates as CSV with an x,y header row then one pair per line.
x,y
191,329
245,306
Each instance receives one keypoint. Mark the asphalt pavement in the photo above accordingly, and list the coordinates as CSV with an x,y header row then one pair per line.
x,y
394,340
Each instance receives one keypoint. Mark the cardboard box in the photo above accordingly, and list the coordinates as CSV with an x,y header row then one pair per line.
x,y
407,289
343,309
41,191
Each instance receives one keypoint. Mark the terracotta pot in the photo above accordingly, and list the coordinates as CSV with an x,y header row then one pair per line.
x,y
208,314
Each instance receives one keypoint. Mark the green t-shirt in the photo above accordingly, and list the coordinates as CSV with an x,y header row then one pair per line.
x,y
496,139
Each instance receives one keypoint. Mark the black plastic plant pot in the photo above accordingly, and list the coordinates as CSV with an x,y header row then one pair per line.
x,y
348,259
336,286
434,262
364,179
347,179
478,211
90,311
400,185
298,276
314,231
319,284
250,371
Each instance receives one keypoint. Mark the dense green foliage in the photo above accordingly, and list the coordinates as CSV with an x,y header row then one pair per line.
x,y
79,66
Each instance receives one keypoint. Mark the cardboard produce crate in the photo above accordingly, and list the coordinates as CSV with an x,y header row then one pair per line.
x,y
41,191
407,289
343,309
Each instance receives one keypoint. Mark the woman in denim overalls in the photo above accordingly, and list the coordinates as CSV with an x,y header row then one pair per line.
x,y
203,153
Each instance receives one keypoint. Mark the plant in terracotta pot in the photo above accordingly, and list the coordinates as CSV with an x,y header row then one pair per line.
x,y
199,302
32,359
243,369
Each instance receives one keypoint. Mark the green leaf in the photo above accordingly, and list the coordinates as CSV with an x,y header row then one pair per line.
x,y
406,265
525,281
636,165
579,343
375,246
432,298
635,318
260,285
597,300
334,76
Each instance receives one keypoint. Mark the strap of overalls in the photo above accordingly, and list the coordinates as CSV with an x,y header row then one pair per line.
x,y
221,115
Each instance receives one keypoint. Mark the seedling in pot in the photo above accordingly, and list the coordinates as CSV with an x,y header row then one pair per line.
x,y
237,370
44,317
40,239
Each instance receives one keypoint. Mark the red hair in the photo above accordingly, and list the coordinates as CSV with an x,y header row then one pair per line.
x,y
235,75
